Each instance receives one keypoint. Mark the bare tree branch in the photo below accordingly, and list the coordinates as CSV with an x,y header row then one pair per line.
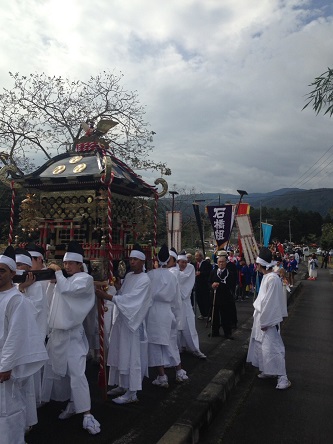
x,y
43,114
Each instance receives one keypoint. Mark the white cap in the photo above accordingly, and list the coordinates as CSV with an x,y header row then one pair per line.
x,y
75,257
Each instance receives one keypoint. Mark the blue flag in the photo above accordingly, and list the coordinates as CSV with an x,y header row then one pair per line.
x,y
266,231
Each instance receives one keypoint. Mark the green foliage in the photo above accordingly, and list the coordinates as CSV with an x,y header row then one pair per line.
x,y
321,97
302,224
327,236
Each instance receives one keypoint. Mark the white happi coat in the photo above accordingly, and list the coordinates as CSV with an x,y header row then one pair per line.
x,y
161,319
266,349
128,351
72,300
22,351
188,337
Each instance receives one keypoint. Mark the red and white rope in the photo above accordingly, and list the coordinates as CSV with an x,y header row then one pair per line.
x,y
102,366
88,146
155,226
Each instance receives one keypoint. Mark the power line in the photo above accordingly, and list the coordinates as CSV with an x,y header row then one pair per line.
x,y
317,173
309,169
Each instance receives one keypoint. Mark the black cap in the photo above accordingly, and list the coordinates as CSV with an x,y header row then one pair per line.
x,y
137,247
265,254
22,251
163,254
10,252
75,247
37,248
8,258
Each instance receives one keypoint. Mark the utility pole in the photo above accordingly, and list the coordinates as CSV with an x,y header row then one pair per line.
x,y
289,231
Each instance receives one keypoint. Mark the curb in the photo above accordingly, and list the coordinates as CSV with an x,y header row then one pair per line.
x,y
209,402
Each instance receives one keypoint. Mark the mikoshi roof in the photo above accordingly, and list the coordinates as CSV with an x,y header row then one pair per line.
x,y
72,170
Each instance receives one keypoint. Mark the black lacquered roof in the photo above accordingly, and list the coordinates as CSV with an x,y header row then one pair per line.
x,y
72,170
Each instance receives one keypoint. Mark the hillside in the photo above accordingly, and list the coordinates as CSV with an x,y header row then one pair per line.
x,y
318,200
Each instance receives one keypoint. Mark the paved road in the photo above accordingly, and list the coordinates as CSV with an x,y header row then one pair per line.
x,y
258,413
158,409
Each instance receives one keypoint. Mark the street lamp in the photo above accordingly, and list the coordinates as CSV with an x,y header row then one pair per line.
x,y
173,193
241,194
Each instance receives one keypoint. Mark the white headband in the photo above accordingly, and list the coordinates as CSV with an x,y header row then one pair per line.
x,y
163,263
265,264
182,257
173,254
75,257
138,254
8,261
23,259
36,254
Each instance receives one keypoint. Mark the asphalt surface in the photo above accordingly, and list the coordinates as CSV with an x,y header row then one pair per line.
x,y
176,415
258,412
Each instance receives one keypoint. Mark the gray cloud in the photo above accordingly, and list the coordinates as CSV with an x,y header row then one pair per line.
x,y
224,83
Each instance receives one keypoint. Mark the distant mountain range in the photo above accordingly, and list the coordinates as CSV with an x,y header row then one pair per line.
x,y
318,200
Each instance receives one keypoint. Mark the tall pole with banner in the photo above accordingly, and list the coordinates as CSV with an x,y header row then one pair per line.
x,y
173,193
196,210
220,218
174,225
241,193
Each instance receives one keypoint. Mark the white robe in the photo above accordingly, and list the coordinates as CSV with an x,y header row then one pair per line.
x,y
91,327
161,319
108,319
177,307
22,351
72,300
188,336
266,349
313,266
127,355
36,295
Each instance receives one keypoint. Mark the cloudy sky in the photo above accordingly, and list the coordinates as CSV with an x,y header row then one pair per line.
x,y
223,81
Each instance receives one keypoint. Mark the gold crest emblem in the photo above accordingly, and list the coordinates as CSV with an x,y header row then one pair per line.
x,y
79,168
75,159
59,169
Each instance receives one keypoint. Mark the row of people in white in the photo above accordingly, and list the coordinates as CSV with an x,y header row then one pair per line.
x,y
149,320
22,353
160,298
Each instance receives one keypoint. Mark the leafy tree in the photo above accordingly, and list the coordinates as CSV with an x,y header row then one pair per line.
x,y
304,225
321,96
43,114
327,236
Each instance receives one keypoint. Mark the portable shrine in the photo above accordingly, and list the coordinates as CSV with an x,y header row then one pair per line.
x,y
86,195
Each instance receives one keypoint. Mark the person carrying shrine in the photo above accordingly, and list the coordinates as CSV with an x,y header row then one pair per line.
x,y
128,352
22,352
73,298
